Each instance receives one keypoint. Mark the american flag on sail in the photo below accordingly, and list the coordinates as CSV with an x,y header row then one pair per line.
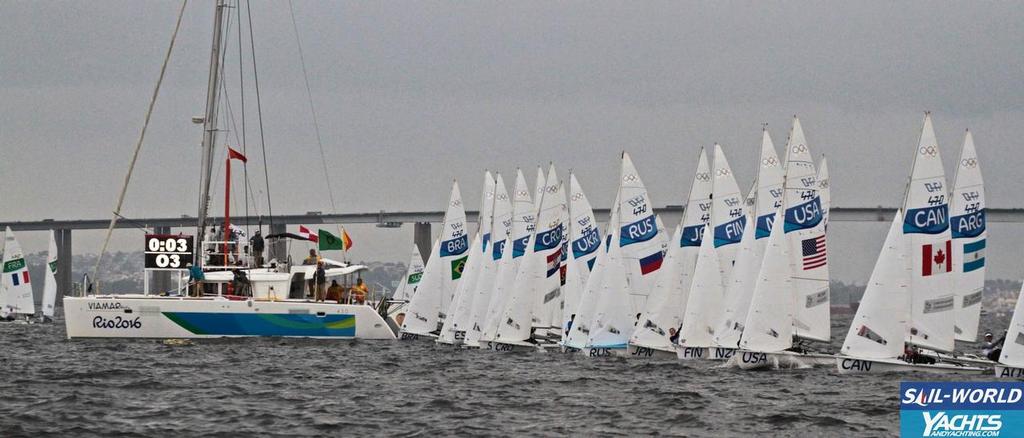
x,y
814,252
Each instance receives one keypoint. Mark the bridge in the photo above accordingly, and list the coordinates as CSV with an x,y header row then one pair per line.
x,y
422,221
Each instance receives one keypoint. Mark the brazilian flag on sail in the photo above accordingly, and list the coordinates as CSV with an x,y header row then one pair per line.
x,y
329,241
458,265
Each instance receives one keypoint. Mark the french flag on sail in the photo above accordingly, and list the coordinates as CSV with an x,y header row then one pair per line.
x,y
21,278
554,262
651,263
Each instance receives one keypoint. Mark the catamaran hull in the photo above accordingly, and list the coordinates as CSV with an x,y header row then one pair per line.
x,y
142,316
1007,372
851,365
650,353
755,360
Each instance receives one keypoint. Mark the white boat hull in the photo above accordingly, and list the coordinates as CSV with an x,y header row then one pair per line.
x,y
141,316
1008,372
756,360
650,353
513,347
704,353
852,365
603,352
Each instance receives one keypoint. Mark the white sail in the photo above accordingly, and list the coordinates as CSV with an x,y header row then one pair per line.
x,y
967,227
501,226
572,291
17,286
440,280
1013,346
547,247
613,319
638,235
878,328
539,186
740,287
727,213
593,290
929,245
769,324
50,285
824,192
407,288
704,304
805,231
585,242
667,305
522,231
461,308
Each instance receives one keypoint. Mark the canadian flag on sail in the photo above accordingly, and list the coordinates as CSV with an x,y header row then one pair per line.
x,y
935,259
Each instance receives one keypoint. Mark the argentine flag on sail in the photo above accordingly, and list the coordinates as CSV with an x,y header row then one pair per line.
x,y
974,255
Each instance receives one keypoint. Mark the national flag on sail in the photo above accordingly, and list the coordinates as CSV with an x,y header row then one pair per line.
x,y
554,261
974,255
309,235
20,278
935,258
813,251
458,265
651,263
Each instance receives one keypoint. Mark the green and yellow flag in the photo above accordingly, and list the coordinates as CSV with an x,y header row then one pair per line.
x,y
458,265
329,241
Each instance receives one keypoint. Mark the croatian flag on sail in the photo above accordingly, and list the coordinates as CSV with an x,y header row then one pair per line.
x,y
19,279
814,252
651,263
309,235
935,258
554,262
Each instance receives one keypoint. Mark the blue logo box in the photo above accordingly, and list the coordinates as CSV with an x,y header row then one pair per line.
x,y
962,409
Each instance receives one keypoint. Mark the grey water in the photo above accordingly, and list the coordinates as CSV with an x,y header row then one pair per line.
x,y
300,387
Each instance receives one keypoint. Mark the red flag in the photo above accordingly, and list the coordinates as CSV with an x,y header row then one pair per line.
x,y
235,155
309,235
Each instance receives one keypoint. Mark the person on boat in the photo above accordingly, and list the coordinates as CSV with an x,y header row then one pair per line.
x,y
568,325
195,279
359,292
335,292
310,260
673,335
256,244
320,276
242,285
990,349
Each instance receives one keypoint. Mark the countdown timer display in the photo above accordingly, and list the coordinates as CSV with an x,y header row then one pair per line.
x,y
168,251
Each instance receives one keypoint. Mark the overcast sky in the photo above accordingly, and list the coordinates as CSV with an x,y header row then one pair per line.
x,y
412,94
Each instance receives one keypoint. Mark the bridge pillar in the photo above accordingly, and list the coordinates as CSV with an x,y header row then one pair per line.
x,y
161,279
63,276
278,248
421,236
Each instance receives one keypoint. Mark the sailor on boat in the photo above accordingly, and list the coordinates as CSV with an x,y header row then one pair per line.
x,y
990,349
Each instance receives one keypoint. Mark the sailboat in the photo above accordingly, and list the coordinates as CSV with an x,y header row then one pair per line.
x,y
1011,360
704,304
967,226
17,299
523,215
551,242
532,289
584,244
613,319
441,275
767,198
265,309
50,282
805,230
593,294
407,287
454,329
501,227
875,341
641,237
654,335
926,226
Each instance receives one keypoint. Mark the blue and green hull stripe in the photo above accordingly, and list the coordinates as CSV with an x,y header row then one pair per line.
x,y
265,324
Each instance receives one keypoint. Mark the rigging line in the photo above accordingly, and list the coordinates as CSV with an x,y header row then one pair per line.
x,y
241,93
312,109
259,112
138,145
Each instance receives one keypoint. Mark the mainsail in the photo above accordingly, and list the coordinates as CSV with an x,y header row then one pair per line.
x,y
501,226
513,251
638,235
17,287
704,304
769,323
407,287
50,284
967,227
727,214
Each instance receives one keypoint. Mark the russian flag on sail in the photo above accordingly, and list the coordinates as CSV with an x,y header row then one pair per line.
x,y
19,279
651,263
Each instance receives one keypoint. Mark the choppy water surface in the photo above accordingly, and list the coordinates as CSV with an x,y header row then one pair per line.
x,y
314,387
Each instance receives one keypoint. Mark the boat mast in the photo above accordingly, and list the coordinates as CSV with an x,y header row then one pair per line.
x,y
209,127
